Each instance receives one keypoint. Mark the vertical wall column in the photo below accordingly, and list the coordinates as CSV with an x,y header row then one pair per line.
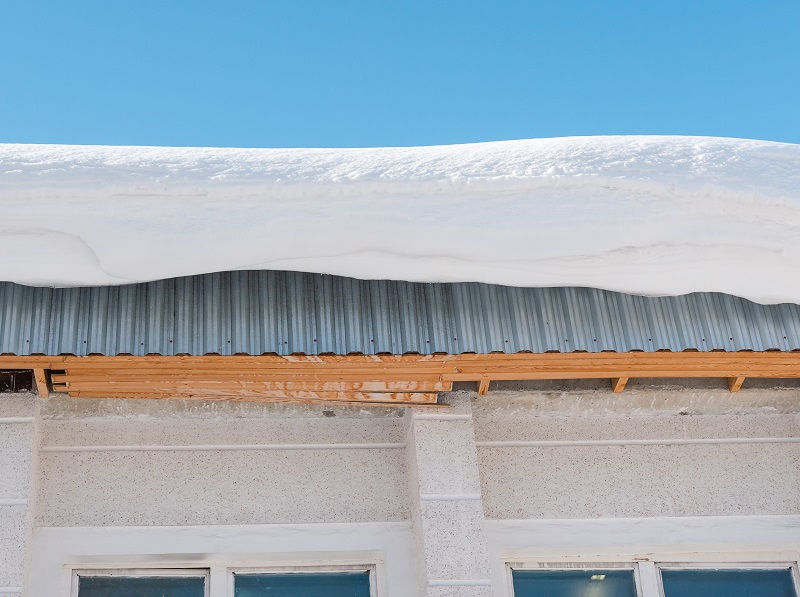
x,y
16,459
447,512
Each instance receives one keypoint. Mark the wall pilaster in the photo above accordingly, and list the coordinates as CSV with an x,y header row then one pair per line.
x,y
447,511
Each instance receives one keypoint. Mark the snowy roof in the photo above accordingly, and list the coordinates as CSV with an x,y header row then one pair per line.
x,y
643,215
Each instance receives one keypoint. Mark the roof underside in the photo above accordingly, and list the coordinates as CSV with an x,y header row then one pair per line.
x,y
257,312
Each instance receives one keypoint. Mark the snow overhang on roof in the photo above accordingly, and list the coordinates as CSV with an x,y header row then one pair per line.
x,y
643,215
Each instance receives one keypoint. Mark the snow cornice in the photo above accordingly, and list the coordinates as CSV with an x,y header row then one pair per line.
x,y
643,215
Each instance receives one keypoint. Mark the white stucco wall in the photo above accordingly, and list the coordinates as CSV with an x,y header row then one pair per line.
x,y
385,545
195,468
553,472
130,483
17,438
638,457
683,473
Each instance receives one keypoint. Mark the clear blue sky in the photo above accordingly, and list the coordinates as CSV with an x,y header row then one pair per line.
x,y
339,73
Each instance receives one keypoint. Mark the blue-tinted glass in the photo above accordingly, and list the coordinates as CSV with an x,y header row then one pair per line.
x,y
574,583
338,584
120,586
728,583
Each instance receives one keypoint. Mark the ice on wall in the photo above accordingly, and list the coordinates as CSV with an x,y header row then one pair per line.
x,y
645,215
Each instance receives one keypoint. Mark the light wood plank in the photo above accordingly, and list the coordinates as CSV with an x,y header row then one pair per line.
x,y
262,399
40,376
323,377
735,383
618,384
78,381
461,367
191,391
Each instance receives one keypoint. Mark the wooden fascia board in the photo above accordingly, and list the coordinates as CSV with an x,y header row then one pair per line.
x,y
463,367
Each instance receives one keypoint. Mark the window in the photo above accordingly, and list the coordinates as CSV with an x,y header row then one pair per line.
x,y
574,583
288,581
648,579
728,582
141,583
303,584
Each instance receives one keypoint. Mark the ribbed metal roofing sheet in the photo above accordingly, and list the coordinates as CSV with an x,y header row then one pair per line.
x,y
258,312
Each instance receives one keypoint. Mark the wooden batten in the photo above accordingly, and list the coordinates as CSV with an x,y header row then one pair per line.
x,y
735,383
403,380
618,384
40,377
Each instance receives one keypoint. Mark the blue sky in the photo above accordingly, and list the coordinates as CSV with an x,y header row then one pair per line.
x,y
300,73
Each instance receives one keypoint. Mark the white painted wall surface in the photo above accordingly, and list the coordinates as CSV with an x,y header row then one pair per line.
x,y
16,461
57,551
711,539
551,474
583,478
677,474
190,470
449,525
643,459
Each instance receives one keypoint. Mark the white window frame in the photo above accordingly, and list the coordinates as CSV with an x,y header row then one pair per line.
x,y
794,570
647,570
564,566
188,572
299,570
214,573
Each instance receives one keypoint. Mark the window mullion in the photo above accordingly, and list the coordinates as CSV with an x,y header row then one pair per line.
x,y
218,583
649,580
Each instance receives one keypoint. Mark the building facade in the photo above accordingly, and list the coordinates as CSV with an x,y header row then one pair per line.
x,y
326,463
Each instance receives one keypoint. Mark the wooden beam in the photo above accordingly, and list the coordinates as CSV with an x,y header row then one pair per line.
x,y
465,367
41,383
261,399
618,384
288,383
404,379
613,365
243,392
735,383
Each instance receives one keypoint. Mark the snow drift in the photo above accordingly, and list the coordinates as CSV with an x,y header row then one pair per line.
x,y
644,215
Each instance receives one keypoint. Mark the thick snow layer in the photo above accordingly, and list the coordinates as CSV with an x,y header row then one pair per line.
x,y
645,215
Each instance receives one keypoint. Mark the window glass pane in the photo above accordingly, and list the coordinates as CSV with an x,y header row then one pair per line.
x,y
728,583
574,583
306,584
121,586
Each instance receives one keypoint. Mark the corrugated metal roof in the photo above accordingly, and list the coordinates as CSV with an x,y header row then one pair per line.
x,y
258,312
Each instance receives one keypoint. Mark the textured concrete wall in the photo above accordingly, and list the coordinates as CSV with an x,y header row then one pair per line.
x,y
647,453
520,463
449,525
196,468
17,436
